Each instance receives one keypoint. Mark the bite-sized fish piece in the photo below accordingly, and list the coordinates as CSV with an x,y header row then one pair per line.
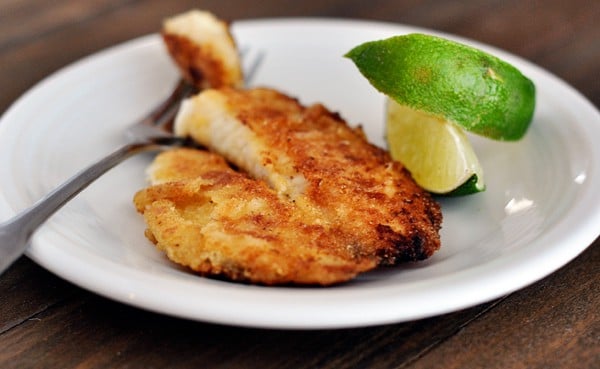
x,y
219,222
326,173
203,49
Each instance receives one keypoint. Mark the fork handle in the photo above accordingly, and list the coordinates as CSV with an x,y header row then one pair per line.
x,y
16,232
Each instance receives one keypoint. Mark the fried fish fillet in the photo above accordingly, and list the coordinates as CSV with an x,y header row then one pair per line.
x,y
311,200
333,177
219,222
203,49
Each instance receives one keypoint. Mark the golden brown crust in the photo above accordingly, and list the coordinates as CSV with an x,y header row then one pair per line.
x,y
199,64
219,222
369,201
312,202
204,49
184,164
317,203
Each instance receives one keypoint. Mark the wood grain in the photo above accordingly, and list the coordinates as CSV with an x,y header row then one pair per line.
x,y
46,322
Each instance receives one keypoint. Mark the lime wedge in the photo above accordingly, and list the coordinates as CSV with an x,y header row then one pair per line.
x,y
438,89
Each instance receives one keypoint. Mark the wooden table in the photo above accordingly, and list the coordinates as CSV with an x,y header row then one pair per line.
x,y
46,322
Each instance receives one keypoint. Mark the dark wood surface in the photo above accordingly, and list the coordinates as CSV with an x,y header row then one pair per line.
x,y
46,322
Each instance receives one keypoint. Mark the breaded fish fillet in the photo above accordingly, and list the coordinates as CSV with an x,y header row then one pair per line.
x,y
219,222
203,49
331,175
310,201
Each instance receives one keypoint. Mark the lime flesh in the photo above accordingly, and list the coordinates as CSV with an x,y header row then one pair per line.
x,y
436,152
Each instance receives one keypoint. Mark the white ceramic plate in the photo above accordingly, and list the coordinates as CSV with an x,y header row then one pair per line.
x,y
541,208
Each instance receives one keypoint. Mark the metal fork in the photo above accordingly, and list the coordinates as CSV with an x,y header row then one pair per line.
x,y
150,133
